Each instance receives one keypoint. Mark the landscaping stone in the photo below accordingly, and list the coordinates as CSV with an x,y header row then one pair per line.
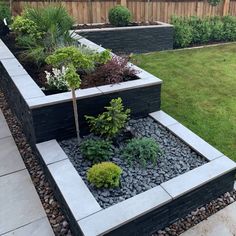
x,y
176,158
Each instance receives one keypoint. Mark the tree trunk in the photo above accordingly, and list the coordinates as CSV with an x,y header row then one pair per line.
x,y
76,114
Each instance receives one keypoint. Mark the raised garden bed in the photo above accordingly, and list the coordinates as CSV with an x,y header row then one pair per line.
x,y
48,117
131,39
193,173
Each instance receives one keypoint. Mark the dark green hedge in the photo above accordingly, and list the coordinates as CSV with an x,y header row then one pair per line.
x,y
194,30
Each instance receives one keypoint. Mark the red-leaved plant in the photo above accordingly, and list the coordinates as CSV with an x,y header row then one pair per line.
x,y
114,71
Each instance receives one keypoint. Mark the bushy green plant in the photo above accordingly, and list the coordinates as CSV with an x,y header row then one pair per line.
x,y
110,122
195,30
214,2
96,150
183,33
5,12
119,16
49,30
82,60
141,150
201,29
105,174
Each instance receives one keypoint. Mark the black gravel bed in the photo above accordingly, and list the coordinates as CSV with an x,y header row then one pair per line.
x,y
175,159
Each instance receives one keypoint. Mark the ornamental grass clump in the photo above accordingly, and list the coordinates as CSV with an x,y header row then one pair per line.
x,y
96,150
104,175
111,122
141,150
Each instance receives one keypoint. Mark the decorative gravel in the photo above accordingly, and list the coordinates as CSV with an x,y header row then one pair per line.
x,y
176,158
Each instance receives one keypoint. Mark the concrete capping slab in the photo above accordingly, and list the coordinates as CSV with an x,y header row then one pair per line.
x,y
13,67
119,214
51,152
187,136
197,177
160,24
5,53
75,192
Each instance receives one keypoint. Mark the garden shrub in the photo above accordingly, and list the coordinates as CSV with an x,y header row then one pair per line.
x,y
50,30
141,150
115,70
183,32
110,122
96,150
57,80
119,16
195,30
5,12
105,174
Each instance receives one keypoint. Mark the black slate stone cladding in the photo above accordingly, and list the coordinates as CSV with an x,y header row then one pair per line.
x,y
17,103
176,209
135,40
57,121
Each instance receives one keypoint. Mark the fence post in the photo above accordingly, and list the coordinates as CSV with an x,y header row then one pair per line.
x,y
226,7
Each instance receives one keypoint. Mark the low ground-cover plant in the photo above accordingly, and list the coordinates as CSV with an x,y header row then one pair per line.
x,y
105,174
141,150
195,30
41,30
96,150
119,16
111,122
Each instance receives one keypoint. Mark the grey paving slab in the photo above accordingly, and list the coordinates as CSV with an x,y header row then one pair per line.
x,y
13,67
223,223
19,201
10,157
27,86
123,212
193,140
39,227
78,197
51,152
189,181
5,53
4,130
163,118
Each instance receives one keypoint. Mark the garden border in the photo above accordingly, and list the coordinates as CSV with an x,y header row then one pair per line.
x,y
146,212
49,117
132,39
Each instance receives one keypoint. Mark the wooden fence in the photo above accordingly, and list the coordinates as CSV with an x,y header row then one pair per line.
x,y
96,11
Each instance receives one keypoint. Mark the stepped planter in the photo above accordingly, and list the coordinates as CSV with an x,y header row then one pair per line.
x,y
132,39
189,174
49,117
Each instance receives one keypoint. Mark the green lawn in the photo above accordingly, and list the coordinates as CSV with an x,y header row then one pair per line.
x,y
199,90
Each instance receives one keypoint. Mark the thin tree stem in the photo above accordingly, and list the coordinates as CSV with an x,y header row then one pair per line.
x,y
76,114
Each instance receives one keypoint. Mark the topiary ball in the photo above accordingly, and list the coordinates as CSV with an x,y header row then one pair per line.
x,y
105,174
119,16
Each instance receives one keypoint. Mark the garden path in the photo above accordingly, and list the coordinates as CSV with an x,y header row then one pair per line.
x,y
21,211
223,223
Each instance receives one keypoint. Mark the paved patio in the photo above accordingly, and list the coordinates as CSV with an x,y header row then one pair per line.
x,y
223,223
21,211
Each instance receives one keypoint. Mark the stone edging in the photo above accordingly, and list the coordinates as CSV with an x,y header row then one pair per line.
x,y
92,220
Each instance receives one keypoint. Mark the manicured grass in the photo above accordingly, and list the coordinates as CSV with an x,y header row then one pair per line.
x,y
199,90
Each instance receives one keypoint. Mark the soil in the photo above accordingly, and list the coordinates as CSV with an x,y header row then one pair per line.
x,y
108,25
37,73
